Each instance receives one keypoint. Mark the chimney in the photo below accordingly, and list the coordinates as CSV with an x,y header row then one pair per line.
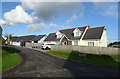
x,y
88,27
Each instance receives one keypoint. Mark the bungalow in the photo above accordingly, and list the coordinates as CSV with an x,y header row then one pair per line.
x,y
23,40
38,39
84,36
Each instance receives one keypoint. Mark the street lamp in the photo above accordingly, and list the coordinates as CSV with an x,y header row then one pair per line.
x,y
8,35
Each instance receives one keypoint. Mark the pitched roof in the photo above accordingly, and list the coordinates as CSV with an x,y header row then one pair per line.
x,y
67,32
93,33
52,37
36,38
23,38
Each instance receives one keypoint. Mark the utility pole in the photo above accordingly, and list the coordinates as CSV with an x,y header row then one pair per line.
x,y
8,35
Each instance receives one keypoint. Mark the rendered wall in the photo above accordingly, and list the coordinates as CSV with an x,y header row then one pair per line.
x,y
87,49
15,43
51,42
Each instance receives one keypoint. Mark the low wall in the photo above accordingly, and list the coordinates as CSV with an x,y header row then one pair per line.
x,y
33,44
86,49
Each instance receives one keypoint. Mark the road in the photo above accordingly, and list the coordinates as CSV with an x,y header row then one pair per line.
x,y
38,64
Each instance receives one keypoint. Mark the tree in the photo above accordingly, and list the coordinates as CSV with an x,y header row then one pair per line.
x,y
8,38
114,43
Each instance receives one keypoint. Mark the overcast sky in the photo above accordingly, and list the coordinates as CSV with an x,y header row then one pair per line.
x,y
36,18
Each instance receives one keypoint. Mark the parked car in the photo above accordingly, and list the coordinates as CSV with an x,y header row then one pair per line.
x,y
46,46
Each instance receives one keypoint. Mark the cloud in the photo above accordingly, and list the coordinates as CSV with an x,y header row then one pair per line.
x,y
45,11
18,16
51,10
38,26
107,9
111,11
73,18
42,11
4,22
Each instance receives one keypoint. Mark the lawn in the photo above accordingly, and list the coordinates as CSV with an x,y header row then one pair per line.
x,y
104,60
9,58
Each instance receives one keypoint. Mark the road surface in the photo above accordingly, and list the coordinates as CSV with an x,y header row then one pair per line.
x,y
38,64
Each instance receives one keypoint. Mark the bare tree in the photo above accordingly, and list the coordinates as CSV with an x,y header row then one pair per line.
x,y
8,38
8,35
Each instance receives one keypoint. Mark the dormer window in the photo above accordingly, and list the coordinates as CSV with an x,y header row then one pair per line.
x,y
77,32
59,34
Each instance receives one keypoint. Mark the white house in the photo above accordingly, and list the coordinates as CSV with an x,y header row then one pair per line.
x,y
84,36
39,39
23,40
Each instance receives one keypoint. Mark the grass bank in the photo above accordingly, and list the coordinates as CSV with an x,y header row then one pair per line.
x,y
104,60
9,58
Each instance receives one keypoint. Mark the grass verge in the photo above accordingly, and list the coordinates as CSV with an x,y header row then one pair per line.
x,y
9,58
103,60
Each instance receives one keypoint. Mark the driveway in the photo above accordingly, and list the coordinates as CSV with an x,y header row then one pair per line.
x,y
38,64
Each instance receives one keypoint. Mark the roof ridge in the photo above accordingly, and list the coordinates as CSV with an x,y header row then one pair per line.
x,y
26,35
52,33
72,28
97,27
39,35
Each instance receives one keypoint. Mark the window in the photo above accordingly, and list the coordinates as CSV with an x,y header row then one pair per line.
x,y
75,42
77,33
90,43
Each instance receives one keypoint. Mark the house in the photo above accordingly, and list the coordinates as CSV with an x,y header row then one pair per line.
x,y
26,40
83,36
21,41
38,39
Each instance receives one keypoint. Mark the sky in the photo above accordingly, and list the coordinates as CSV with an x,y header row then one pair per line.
x,y
38,18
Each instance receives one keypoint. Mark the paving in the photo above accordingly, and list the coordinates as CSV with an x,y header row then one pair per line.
x,y
39,64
